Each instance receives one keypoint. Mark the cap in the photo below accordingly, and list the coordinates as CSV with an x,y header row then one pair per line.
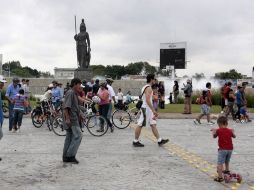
x,y
15,79
51,85
109,79
103,84
2,79
54,82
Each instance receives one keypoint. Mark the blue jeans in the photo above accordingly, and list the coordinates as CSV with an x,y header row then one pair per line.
x,y
224,156
18,116
103,110
72,141
11,115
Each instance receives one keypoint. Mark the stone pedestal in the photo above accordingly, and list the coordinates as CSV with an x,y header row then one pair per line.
x,y
82,74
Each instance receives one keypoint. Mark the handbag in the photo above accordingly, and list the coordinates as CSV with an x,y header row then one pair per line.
x,y
140,101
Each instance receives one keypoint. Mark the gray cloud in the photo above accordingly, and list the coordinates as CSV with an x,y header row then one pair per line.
x,y
218,33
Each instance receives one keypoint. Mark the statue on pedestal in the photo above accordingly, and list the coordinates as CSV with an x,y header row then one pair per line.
x,y
83,47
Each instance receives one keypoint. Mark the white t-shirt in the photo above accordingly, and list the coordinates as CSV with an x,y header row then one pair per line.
x,y
119,96
46,96
111,92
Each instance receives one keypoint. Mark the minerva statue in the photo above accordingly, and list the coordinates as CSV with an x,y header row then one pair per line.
x,y
83,47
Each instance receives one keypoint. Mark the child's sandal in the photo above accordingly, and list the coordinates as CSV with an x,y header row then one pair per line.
x,y
218,179
226,171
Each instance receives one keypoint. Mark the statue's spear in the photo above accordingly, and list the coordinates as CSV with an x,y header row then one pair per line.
x,y
75,35
75,24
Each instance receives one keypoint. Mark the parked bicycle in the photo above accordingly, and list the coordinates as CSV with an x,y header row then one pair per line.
x,y
123,115
95,124
45,112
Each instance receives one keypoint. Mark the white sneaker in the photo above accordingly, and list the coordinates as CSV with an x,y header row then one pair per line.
x,y
13,130
18,131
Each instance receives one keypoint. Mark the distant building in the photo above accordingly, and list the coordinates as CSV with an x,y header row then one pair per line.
x,y
64,73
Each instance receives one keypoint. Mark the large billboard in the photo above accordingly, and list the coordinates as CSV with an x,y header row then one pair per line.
x,y
173,54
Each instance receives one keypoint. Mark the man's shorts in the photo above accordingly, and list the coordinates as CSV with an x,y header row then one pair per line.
x,y
146,118
226,102
205,109
224,156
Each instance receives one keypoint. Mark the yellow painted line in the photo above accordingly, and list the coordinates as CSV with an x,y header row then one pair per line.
x,y
194,160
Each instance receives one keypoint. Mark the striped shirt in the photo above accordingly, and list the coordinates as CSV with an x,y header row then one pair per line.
x,y
19,102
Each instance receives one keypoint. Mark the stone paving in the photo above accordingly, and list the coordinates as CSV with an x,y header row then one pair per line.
x,y
32,159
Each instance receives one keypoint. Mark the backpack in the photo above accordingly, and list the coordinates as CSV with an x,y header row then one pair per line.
x,y
140,101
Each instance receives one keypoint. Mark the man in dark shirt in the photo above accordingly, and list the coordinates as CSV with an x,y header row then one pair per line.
x,y
96,87
72,120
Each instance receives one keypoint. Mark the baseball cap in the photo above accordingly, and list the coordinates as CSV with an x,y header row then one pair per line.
x,y
109,80
51,85
2,79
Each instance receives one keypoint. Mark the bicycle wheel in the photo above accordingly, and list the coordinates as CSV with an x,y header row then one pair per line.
x,y
5,111
57,126
36,119
121,119
97,125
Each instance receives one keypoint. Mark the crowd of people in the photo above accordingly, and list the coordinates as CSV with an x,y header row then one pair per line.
x,y
77,93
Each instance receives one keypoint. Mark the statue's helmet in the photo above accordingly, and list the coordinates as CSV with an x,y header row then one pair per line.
x,y
82,26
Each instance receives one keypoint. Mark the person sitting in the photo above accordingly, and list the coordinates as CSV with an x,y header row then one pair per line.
x,y
128,98
244,116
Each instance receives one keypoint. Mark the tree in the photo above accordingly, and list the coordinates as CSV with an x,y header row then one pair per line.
x,y
17,70
115,71
232,74
134,68
198,76
149,68
98,70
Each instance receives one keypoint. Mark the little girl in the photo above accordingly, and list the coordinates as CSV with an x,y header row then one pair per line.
x,y
20,102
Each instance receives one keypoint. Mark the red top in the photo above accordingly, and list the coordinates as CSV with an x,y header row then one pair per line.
x,y
225,138
226,92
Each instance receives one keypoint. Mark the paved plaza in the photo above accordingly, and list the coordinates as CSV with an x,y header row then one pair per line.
x,y
32,159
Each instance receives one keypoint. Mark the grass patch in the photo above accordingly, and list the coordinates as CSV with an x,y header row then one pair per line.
x,y
178,108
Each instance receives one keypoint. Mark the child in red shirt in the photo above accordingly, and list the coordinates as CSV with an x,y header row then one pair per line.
x,y
225,143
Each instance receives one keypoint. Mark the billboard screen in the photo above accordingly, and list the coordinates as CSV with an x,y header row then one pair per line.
x,y
173,54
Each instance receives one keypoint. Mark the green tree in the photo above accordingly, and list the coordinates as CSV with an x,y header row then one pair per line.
x,y
115,71
134,68
149,68
198,76
98,70
232,74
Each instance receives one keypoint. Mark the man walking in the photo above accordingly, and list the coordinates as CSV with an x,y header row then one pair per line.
x,y
148,115
72,120
11,92
2,81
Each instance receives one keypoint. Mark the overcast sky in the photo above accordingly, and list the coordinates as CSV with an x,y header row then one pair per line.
x,y
219,33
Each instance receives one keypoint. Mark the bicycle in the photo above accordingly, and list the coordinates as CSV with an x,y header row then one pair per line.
x,y
123,115
45,112
95,124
